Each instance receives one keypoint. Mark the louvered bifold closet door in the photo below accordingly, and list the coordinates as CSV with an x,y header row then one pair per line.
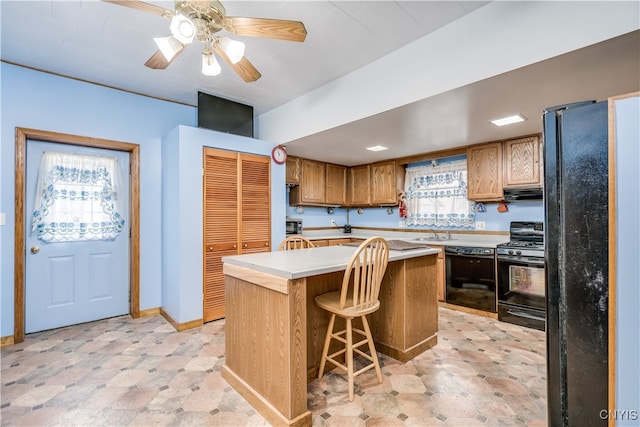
x,y
256,204
220,225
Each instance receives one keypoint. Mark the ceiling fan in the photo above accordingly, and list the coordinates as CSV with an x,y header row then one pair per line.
x,y
202,20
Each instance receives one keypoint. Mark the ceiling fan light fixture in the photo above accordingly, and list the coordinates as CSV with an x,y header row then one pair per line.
x,y
232,48
182,29
210,66
169,46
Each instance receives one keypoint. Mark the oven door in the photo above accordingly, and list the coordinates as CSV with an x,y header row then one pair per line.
x,y
521,290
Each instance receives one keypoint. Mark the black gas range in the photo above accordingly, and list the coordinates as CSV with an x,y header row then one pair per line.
x,y
521,276
526,239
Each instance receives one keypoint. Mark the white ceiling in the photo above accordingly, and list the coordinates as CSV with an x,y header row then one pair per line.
x,y
108,44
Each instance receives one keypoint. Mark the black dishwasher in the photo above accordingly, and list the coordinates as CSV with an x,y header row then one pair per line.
x,y
471,277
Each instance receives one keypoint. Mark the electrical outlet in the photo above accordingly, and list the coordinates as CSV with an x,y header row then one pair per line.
x,y
333,223
480,225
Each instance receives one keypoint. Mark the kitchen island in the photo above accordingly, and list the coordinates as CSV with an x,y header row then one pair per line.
x,y
274,332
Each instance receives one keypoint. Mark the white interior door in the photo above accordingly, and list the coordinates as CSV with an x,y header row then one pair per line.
x,y
70,282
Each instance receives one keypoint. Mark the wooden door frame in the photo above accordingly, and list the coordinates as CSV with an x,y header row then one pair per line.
x,y
22,136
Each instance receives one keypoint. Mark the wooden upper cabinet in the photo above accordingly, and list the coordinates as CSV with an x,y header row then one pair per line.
x,y
360,185
384,189
484,172
293,170
522,165
321,184
312,181
335,184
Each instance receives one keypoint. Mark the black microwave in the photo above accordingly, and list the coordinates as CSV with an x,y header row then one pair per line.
x,y
294,226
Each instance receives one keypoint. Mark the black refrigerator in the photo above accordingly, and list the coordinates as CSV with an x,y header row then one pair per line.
x,y
576,262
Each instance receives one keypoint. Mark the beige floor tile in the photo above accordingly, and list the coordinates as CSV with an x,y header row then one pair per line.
x,y
141,372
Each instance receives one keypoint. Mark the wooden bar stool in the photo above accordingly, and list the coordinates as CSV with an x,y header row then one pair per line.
x,y
295,242
357,298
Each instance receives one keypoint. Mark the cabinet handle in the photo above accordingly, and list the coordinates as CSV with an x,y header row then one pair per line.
x,y
245,245
266,244
210,248
235,246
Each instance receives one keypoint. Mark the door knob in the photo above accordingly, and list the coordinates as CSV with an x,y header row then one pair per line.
x,y
35,249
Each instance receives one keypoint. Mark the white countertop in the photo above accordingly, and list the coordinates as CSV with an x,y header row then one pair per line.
x,y
458,239
311,262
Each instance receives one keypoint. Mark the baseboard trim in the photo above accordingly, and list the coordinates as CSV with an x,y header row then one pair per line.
x,y
262,405
6,341
150,312
181,326
468,310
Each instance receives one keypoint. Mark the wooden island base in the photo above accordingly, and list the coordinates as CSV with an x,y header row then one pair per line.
x,y
274,332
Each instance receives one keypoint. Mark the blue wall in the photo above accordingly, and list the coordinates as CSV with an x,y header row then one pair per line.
x,y
627,158
182,222
35,100
529,210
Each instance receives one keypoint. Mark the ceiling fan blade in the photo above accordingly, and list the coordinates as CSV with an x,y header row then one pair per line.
x,y
144,7
159,62
264,27
244,68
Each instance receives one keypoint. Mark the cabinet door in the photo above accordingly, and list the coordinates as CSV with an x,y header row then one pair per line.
x,y
312,181
237,217
255,196
383,183
522,162
360,185
220,217
336,185
484,172
293,170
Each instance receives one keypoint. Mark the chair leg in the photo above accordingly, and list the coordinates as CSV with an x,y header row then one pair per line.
x,y
349,356
372,349
325,350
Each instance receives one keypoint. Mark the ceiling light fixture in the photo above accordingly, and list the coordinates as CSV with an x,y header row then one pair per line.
x,y
377,148
509,120
169,46
232,48
182,29
210,66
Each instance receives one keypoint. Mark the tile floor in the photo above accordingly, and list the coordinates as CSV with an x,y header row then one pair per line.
x,y
126,372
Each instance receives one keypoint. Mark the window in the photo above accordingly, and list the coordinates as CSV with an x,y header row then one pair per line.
x,y
436,196
77,198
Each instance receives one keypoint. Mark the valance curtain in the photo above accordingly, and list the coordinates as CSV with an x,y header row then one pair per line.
x,y
436,196
77,198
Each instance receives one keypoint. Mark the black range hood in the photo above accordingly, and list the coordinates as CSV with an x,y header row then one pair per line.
x,y
512,194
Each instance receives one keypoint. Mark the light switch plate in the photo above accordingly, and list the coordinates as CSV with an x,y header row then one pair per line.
x,y
480,225
3,218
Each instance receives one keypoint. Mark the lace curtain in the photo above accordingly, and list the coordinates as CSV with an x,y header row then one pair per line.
x,y
77,198
436,196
